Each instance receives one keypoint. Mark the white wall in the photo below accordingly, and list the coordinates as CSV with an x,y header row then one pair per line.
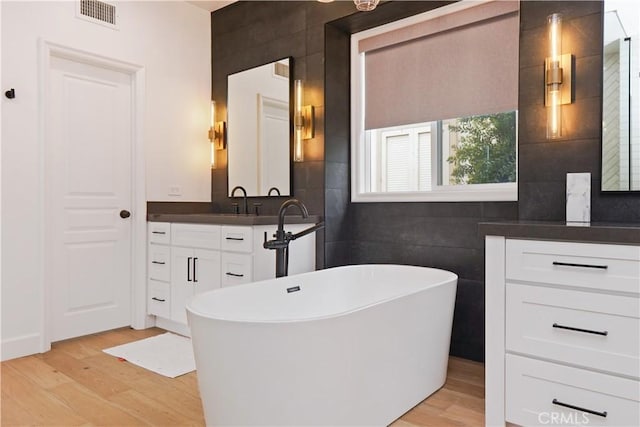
x,y
171,40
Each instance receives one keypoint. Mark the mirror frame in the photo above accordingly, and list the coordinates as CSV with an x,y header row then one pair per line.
x,y
601,163
291,124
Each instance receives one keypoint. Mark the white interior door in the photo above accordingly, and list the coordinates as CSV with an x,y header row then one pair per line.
x,y
273,145
88,183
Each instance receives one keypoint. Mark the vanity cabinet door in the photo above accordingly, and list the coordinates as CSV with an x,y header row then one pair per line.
x,y
194,271
206,270
182,284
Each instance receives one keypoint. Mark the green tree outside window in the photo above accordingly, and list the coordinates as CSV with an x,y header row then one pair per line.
x,y
486,149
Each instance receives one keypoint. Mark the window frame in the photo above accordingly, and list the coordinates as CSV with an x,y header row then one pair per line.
x,y
438,193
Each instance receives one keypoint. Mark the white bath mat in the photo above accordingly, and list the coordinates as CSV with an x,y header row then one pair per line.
x,y
168,354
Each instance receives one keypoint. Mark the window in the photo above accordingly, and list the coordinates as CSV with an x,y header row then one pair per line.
x,y
434,101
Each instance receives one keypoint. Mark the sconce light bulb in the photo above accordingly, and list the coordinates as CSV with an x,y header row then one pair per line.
x,y
298,95
298,150
554,122
555,37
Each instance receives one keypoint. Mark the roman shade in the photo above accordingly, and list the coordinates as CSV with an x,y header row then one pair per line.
x,y
455,65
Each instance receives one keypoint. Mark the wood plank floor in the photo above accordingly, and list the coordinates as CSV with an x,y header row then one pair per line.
x,y
76,384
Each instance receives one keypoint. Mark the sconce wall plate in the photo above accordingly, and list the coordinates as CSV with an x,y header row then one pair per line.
x,y
220,135
563,76
309,129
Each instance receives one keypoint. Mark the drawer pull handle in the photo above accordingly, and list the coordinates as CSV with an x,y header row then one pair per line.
x,y
189,269
234,274
194,270
577,408
158,299
586,331
158,232
158,262
571,264
235,238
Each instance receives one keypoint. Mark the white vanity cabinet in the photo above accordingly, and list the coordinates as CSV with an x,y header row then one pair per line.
x,y
186,259
562,333
183,259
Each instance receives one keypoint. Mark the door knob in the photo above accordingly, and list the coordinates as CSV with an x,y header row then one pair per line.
x,y
125,213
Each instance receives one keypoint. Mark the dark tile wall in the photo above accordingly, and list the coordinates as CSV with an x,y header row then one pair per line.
x,y
442,235
248,34
543,164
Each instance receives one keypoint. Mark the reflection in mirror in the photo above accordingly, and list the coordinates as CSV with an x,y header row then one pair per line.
x,y
621,97
258,129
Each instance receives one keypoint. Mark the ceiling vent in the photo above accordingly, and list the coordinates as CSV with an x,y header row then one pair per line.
x,y
98,12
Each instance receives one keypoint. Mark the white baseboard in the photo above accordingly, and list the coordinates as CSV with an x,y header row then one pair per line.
x,y
25,345
172,326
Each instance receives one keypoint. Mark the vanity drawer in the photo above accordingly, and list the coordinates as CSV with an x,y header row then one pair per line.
x,y
236,268
587,265
159,232
581,328
196,236
237,239
158,302
531,387
159,262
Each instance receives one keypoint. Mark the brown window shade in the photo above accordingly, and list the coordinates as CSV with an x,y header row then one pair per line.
x,y
456,65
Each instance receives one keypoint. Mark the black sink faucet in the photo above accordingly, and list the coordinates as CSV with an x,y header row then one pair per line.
x,y
282,239
244,196
273,189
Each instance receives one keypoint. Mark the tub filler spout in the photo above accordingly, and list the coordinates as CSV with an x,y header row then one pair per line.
x,y
281,240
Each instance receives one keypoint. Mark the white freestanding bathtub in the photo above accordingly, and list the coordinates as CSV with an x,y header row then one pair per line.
x,y
346,346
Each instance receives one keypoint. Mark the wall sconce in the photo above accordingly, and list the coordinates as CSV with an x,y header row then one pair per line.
x,y
303,121
558,78
217,135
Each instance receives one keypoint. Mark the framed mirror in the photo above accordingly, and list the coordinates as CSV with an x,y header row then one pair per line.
x,y
259,129
621,96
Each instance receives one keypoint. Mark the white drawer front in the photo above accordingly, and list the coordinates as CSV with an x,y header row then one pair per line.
x,y
158,302
159,262
236,268
196,236
159,232
594,266
582,328
237,239
532,386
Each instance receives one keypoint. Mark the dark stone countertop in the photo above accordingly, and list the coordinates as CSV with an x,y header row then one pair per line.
x,y
231,219
598,232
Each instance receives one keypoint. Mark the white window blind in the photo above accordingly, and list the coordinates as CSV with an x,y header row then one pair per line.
x,y
406,159
397,163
